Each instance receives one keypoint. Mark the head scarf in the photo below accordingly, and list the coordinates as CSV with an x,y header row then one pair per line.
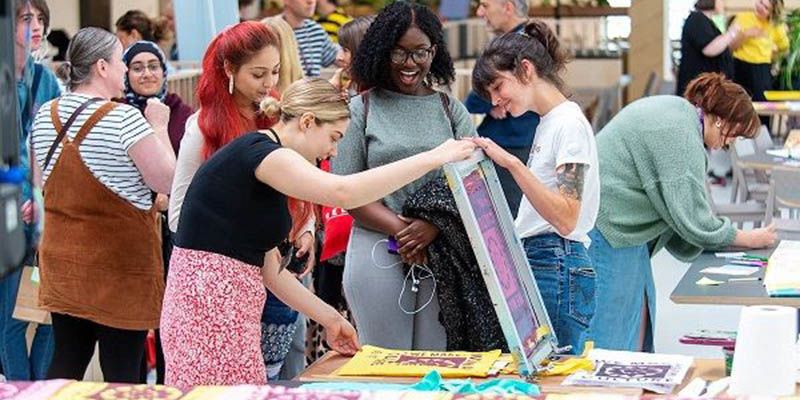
x,y
143,46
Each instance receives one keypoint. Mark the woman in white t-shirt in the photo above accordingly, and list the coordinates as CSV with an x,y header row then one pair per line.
x,y
520,72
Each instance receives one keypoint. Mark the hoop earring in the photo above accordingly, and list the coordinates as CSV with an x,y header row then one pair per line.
x,y
230,85
718,124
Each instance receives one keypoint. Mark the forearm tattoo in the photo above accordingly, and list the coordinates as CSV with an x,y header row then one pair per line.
x,y
569,178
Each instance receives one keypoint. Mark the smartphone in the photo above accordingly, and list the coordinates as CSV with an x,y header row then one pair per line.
x,y
391,246
297,264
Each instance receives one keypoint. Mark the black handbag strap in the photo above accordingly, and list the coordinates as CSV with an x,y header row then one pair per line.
x,y
442,96
62,130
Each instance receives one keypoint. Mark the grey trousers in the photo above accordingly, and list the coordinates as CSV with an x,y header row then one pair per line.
x,y
295,361
372,290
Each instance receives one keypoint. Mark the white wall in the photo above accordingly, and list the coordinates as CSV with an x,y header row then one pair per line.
x,y
65,14
119,7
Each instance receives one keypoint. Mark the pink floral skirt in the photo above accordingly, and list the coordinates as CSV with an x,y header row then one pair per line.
x,y
211,321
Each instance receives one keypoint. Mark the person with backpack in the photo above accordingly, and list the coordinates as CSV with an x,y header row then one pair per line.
x,y
401,57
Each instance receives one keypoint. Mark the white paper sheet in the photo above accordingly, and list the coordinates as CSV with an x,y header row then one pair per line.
x,y
659,373
730,269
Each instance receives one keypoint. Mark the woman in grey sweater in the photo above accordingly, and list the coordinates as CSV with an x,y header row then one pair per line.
x,y
403,54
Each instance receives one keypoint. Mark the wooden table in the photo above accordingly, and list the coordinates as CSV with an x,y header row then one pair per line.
x,y
779,111
733,293
323,370
764,162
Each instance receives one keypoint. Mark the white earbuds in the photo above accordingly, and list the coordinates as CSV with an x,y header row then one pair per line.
x,y
415,280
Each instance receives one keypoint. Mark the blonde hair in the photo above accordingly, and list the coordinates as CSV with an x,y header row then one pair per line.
x,y
316,96
291,70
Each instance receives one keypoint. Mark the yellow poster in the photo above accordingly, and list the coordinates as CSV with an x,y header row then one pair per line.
x,y
376,361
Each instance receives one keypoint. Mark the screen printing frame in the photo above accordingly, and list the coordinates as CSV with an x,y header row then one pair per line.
x,y
491,232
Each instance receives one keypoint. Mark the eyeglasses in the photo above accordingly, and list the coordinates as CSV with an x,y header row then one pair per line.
x,y
154,68
419,56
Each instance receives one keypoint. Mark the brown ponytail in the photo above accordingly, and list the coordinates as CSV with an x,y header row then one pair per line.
x,y
543,34
537,43
716,95
161,30
139,21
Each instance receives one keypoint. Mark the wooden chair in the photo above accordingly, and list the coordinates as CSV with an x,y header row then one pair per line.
x,y
747,184
784,192
652,85
764,139
738,213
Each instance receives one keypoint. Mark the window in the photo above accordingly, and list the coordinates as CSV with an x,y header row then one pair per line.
x,y
678,11
618,27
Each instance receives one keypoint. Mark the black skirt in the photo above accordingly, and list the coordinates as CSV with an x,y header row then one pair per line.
x,y
755,78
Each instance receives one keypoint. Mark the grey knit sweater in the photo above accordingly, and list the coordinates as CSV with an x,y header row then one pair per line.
x,y
398,126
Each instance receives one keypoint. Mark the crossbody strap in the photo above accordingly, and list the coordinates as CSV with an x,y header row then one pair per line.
x,y
62,130
442,96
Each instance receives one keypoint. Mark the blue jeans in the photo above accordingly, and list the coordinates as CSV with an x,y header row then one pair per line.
x,y
17,363
277,331
566,281
624,281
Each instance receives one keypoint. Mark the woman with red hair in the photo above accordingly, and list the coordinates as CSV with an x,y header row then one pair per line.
x,y
240,68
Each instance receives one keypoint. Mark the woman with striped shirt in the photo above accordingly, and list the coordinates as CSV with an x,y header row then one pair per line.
x,y
100,257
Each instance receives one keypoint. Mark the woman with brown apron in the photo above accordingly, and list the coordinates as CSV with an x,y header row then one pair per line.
x,y
100,255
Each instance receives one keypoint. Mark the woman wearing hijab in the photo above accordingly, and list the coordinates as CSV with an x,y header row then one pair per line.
x,y
146,79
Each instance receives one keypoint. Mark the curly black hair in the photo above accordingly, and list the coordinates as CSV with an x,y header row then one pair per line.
x,y
371,62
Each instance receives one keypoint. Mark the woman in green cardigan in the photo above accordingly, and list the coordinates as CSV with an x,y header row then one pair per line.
x,y
652,196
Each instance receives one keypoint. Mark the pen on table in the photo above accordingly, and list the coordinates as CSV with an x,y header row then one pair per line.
x,y
753,263
755,257
751,279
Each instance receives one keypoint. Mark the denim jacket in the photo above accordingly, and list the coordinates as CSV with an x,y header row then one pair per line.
x,y
27,106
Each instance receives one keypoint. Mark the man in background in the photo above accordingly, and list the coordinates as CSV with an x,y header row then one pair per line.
x,y
331,17
317,50
515,135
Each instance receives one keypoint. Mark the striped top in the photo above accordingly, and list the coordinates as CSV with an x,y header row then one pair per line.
x,y
316,48
332,22
105,149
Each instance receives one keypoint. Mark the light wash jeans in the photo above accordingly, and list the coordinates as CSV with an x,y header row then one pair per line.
x,y
624,281
566,281
18,364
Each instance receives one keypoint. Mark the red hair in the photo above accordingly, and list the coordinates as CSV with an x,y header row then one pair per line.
x,y
220,121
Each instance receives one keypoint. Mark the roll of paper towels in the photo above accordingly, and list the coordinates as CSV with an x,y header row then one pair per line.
x,y
765,359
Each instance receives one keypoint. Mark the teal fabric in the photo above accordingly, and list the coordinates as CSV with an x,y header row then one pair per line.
x,y
433,382
652,180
